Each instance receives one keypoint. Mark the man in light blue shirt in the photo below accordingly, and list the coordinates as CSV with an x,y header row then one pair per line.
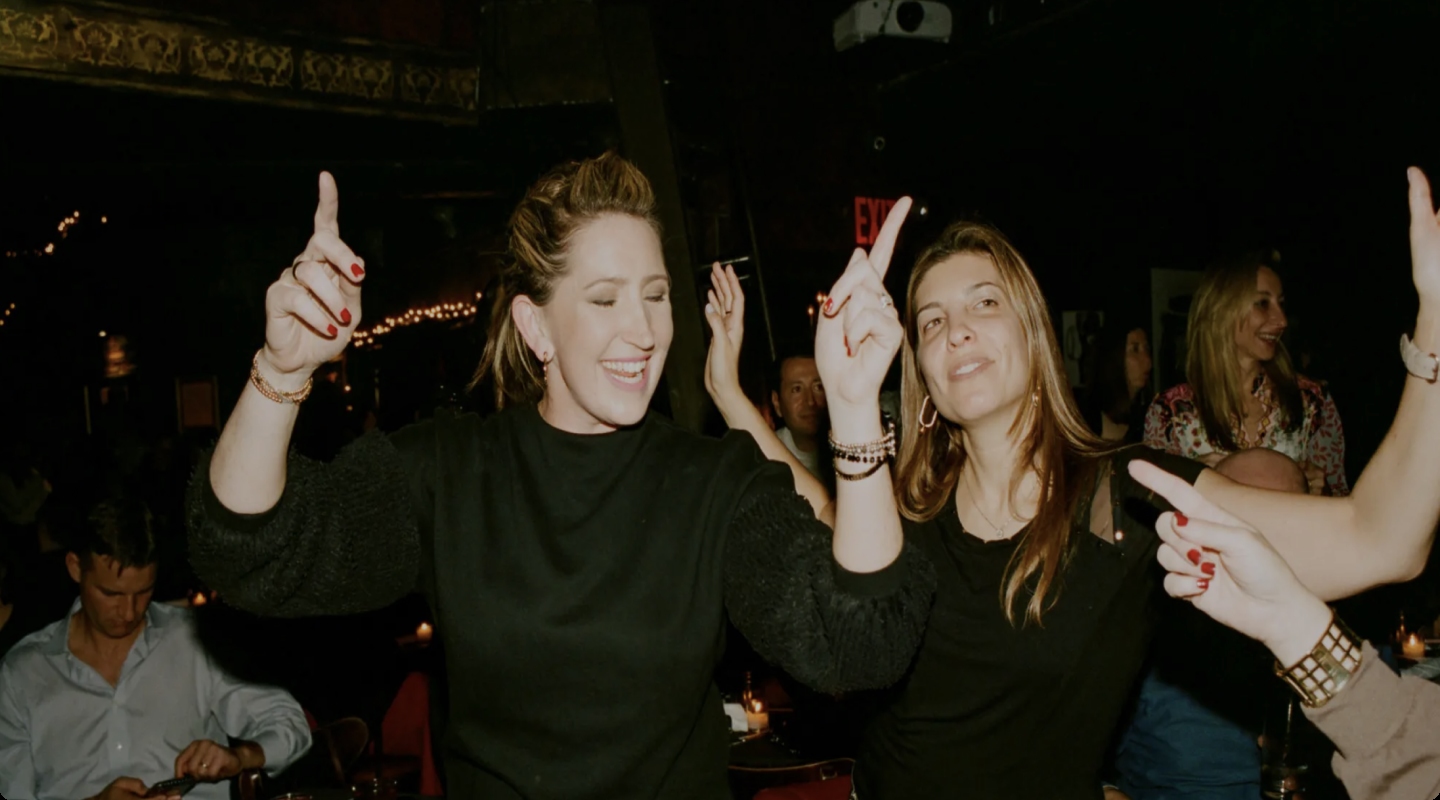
x,y
120,694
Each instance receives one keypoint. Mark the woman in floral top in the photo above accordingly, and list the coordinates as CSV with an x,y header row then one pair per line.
x,y
1243,391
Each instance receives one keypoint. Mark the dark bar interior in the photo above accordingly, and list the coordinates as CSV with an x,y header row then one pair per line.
x,y
478,528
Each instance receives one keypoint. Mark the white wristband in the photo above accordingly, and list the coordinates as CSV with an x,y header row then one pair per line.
x,y
1422,365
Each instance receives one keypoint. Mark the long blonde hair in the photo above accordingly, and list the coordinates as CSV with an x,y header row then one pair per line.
x,y
1056,442
544,222
1212,365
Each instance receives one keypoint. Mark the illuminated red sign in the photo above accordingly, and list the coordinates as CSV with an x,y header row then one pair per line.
x,y
870,214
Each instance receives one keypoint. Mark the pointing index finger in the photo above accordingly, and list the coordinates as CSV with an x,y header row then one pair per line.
x,y
1184,497
889,232
327,211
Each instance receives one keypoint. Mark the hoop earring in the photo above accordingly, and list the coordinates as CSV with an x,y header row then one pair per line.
x,y
934,417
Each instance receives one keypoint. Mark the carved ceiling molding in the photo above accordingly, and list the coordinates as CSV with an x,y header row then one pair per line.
x,y
117,46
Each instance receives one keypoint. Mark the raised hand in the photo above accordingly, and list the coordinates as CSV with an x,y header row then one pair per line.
x,y
313,308
1229,571
1424,238
859,329
725,311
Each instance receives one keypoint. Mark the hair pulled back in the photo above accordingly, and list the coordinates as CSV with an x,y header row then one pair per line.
x,y
541,229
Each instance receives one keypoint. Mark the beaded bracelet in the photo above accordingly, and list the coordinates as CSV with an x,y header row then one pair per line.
x,y
270,392
882,449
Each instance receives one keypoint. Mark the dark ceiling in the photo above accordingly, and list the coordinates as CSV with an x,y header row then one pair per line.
x,y
1106,137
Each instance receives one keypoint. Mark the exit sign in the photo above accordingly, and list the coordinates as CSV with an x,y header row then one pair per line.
x,y
870,214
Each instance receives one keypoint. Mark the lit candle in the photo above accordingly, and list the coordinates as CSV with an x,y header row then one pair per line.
x,y
1413,647
424,632
756,717
199,599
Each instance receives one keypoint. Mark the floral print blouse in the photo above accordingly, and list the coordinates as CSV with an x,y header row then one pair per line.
x,y
1173,424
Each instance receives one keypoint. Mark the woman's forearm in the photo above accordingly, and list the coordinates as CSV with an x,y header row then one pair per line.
x,y
741,415
868,536
1382,532
247,471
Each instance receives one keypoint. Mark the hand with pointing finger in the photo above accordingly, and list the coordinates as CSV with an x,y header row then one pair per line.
x,y
859,329
313,308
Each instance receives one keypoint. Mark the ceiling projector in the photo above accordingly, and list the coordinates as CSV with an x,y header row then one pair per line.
x,y
908,19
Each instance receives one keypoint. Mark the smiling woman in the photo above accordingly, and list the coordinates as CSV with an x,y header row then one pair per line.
x,y
581,554
1242,389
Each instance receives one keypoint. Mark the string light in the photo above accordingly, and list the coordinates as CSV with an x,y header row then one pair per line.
x,y
442,312
63,228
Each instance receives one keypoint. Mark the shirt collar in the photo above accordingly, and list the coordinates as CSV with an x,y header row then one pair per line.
x,y
156,622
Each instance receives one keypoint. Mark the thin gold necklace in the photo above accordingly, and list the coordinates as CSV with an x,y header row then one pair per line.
x,y
999,531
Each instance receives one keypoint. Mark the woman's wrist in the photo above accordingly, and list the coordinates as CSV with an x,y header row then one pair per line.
x,y
280,379
855,424
1427,327
1299,628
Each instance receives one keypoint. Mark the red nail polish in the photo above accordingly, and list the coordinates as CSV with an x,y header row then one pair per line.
x,y
1203,584
1208,568
357,270
1181,520
345,316
829,305
331,329
1194,556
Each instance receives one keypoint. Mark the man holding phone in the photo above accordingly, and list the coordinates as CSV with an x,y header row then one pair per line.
x,y
120,692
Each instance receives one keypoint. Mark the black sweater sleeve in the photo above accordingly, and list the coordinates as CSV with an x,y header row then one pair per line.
x,y
831,629
343,538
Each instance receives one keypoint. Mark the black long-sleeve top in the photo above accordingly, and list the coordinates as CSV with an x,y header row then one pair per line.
x,y
581,584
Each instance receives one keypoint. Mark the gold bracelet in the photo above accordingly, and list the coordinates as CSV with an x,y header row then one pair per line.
x,y
270,392
1324,672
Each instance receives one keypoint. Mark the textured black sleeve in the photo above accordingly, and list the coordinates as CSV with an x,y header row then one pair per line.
x,y
342,539
831,629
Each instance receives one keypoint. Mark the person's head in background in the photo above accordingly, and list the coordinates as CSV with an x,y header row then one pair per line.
x,y
1122,376
799,399
1264,469
1233,339
114,562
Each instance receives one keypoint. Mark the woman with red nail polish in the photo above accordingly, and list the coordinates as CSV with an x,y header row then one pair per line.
x,y
1013,500
584,555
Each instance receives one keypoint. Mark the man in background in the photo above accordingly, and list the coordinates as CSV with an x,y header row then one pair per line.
x,y
119,695
799,400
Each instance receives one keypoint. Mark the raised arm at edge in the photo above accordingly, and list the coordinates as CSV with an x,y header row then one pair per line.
x,y
1382,532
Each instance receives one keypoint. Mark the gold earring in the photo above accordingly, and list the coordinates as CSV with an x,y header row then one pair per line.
x,y
1035,398
935,417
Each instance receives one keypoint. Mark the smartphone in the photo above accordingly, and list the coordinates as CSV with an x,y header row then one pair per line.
x,y
172,787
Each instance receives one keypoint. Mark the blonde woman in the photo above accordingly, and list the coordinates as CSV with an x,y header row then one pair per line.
x,y
581,554
1242,390
1042,539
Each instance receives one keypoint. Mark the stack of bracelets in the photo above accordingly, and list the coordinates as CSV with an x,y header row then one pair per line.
x,y
874,453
